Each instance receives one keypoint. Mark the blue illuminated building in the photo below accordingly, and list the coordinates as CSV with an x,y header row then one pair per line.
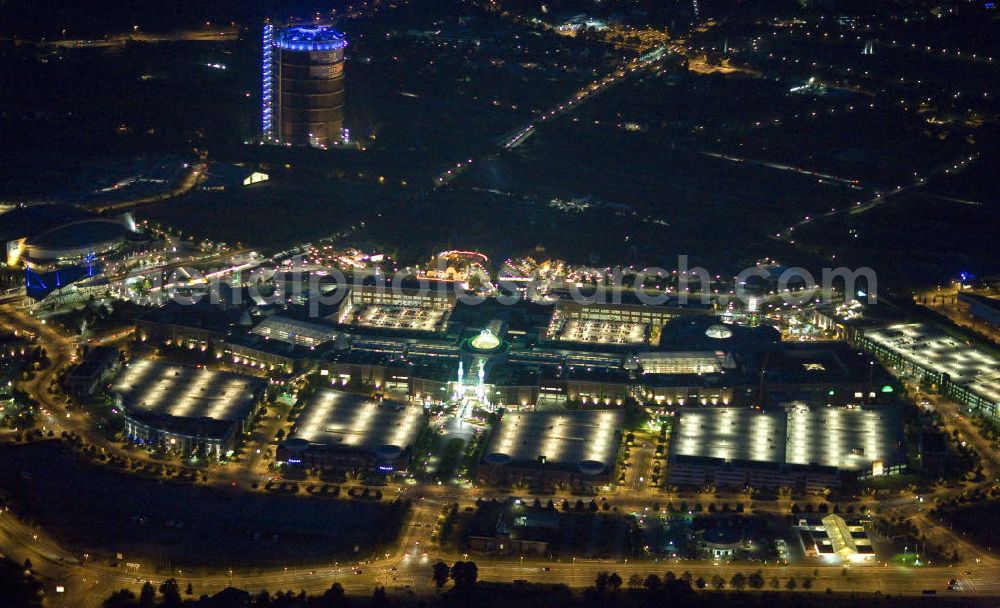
x,y
302,85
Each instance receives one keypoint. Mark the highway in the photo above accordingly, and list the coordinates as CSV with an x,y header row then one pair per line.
x,y
87,583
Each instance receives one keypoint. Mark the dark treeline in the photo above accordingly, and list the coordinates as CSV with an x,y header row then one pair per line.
x,y
457,587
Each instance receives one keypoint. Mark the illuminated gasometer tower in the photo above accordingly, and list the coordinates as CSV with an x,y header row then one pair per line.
x,y
303,85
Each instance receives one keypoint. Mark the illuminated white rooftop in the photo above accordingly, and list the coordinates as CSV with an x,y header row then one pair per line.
x,y
719,332
567,438
845,438
677,362
730,433
599,332
156,387
337,419
419,318
932,349
293,331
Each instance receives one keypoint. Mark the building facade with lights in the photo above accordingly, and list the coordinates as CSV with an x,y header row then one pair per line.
x,y
302,85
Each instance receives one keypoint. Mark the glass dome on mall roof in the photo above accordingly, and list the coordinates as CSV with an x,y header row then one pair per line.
x,y
485,341
719,332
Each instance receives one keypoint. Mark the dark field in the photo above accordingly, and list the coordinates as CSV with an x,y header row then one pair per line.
x,y
102,512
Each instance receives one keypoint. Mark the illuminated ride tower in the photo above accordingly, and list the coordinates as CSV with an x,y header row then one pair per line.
x,y
303,86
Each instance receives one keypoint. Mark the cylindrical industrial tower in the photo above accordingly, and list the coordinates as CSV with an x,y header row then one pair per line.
x,y
303,85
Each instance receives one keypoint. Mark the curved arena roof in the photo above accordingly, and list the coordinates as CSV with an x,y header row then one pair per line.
x,y
77,238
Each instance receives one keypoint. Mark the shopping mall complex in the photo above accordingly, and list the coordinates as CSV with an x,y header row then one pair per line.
x,y
548,366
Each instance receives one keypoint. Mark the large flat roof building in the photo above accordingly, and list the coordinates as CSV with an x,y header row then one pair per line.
x,y
548,448
964,373
294,331
342,430
742,446
186,407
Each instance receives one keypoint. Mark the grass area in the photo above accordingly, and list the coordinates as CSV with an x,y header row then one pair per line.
x,y
100,511
908,559
977,521
451,457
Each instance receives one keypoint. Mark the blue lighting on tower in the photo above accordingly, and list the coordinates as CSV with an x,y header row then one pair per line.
x,y
304,39
266,99
309,38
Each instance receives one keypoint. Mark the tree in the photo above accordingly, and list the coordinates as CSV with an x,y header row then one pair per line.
x,y
464,574
614,582
634,581
189,590
17,588
700,583
379,598
440,574
807,583
147,597
670,576
718,582
332,597
601,582
775,583
756,580
687,576
738,581
122,598
171,593
652,583
790,585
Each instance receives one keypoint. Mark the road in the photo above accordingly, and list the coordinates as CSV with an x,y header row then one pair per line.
x,y
880,198
522,133
87,583
185,185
